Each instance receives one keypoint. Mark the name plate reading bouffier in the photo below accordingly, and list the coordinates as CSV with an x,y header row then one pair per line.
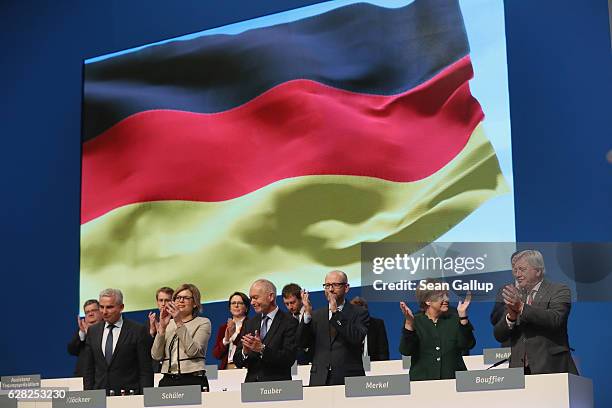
x,y
271,391
82,399
11,382
494,355
406,362
486,380
165,396
377,385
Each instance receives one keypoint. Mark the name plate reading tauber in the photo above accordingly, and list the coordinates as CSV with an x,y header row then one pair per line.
x,y
13,382
494,355
485,380
82,399
377,385
165,396
272,391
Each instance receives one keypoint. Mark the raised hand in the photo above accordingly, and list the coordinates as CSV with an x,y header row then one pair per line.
x,y
83,325
164,320
463,306
230,329
153,325
512,299
333,302
408,316
306,302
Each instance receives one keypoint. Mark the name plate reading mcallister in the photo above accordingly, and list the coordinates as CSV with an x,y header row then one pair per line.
x,y
494,355
165,396
272,391
377,385
82,399
487,380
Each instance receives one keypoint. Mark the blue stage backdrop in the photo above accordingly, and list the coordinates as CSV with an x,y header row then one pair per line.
x,y
559,65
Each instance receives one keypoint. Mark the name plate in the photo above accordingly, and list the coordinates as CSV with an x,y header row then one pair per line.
x,y
212,371
82,399
272,391
484,380
494,355
367,365
12,382
164,396
406,362
377,385
6,402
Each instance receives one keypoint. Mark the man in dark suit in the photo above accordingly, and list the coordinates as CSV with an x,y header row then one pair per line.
x,y
268,348
335,333
118,350
536,316
91,308
292,298
376,344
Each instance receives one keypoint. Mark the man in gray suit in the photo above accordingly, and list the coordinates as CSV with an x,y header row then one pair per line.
x,y
335,333
535,322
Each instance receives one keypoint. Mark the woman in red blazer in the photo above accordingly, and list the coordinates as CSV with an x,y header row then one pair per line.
x,y
230,333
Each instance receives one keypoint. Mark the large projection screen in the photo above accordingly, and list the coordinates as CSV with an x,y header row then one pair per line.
x,y
275,146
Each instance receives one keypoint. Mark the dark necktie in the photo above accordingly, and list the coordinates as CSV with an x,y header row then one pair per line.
x,y
264,327
108,347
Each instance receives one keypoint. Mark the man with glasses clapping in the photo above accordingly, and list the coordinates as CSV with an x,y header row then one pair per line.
x,y
335,333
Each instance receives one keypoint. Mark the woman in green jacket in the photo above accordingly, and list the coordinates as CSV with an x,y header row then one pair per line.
x,y
436,338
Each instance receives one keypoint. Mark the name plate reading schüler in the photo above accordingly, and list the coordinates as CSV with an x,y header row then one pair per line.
x,y
272,391
82,399
12,382
494,355
485,380
165,396
377,385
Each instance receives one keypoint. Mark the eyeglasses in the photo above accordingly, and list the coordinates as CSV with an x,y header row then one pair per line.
x,y
183,298
335,285
236,303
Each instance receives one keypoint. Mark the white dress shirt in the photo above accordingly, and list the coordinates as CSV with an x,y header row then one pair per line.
x,y
116,332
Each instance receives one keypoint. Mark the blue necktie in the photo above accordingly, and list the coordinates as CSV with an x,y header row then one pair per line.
x,y
264,327
108,347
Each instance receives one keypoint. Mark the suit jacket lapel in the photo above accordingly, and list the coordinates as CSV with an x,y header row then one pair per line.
x,y
96,340
122,338
346,311
272,330
542,293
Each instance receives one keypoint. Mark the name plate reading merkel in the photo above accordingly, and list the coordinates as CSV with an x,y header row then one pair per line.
x,y
82,399
272,391
377,385
494,355
485,380
165,396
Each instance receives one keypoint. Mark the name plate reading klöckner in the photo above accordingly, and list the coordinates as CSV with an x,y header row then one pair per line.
x,y
164,396
82,399
377,385
485,380
495,355
272,391
12,382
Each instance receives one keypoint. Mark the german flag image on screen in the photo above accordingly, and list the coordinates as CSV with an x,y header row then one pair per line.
x,y
276,151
